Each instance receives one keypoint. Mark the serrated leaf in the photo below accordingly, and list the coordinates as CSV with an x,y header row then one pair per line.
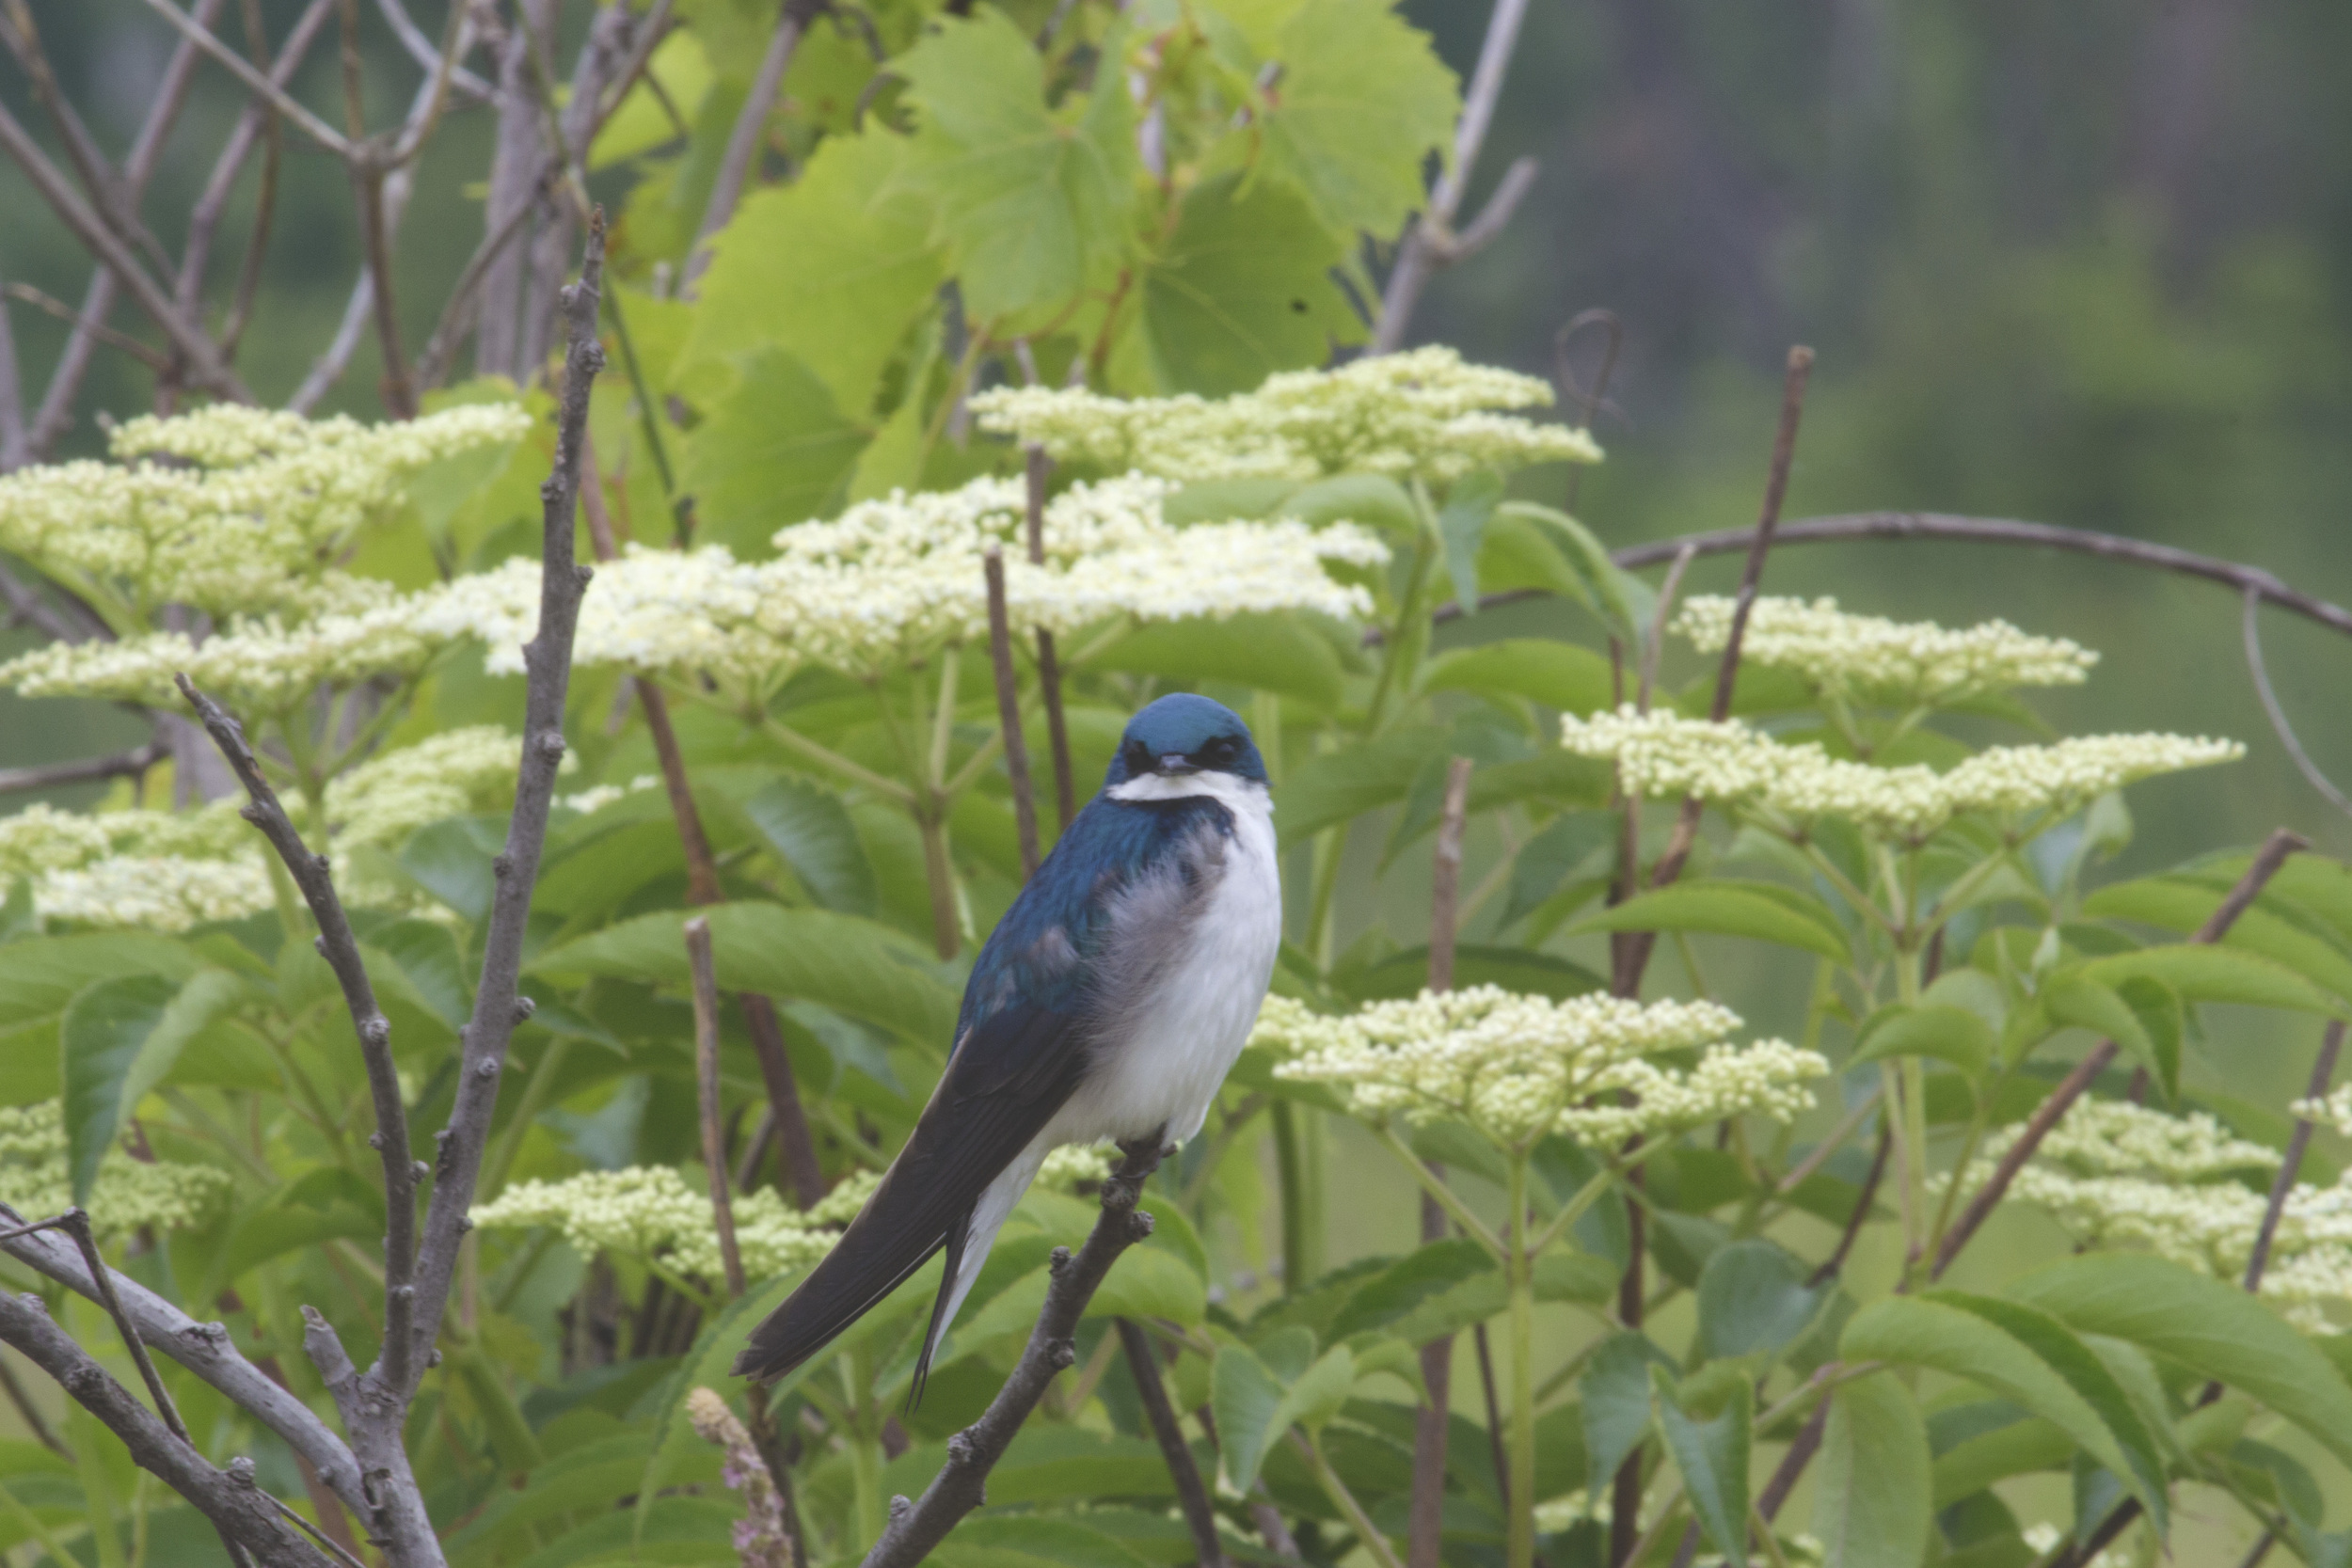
x,y
41,976
1360,101
1029,203
1712,1455
1244,1396
1615,1392
2203,973
1462,529
810,831
1948,1033
2213,1328
1754,1301
1872,1508
117,1040
830,269
1764,910
774,452
2021,1447
2077,1000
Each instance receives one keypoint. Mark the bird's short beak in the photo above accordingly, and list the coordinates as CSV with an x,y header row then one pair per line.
x,y
1176,762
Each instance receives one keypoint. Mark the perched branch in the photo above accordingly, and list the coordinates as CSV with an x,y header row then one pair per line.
x,y
2303,763
2272,855
204,1349
121,764
1428,245
706,989
750,134
916,1527
340,949
230,1499
1008,712
1192,1494
547,657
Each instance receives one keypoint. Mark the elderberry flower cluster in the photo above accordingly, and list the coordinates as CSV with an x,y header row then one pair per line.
x,y
2118,1175
1729,764
1418,415
1909,663
128,1195
1518,1067
244,517
651,1214
2333,1110
387,797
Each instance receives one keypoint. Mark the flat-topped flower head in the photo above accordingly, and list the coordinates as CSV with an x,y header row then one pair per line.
x,y
1518,1067
389,797
1423,413
247,515
1662,754
129,1195
2121,1176
650,1213
1868,656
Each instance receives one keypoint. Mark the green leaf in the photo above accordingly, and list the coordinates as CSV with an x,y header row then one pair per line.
x,y
1241,290
1712,1455
118,1041
2203,973
1765,910
1614,1387
2213,1328
1403,974
1754,1301
1028,1541
1560,554
1558,675
842,961
1318,1392
830,269
2274,925
1948,1033
1269,652
774,452
1334,786
1360,102
1367,500
1462,527
1029,203
40,975
1451,1285
1873,1508
1951,1338
811,832
2089,1375
2165,1021
1242,1395
667,1445
2088,1004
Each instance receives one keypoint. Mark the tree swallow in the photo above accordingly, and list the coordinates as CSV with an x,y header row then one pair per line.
x,y
1109,1003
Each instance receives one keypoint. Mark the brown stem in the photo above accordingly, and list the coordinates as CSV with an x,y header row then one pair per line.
x,y
1835,1261
121,764
2283,1185
1009,712
748,134
2273,854
915,1528
706,987
1191,1495
1792,1462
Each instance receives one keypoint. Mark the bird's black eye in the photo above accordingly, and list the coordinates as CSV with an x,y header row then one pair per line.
x,y
1218,752
1138,759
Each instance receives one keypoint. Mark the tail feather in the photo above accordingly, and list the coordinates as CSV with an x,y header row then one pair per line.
x,y
881,1250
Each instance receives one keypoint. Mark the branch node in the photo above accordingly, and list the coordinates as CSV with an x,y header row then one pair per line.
x,y
1059,1261
524,1007
241,1472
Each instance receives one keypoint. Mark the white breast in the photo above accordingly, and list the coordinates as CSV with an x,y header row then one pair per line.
x,y
1183,1033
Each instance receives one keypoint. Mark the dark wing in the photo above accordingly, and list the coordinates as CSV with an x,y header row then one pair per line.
x,y
1009,1075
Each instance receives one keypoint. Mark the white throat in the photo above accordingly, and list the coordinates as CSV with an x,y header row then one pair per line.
x,y
1228,789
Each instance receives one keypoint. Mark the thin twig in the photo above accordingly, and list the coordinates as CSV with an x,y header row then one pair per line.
x,y
239,66
2283,1185
705,989
1192,1496
1426,246
915,1528
1048,657
1800,1452
1835,1262
1008,712
121,764
228,1499
548,659
1847,1126
1593,401
2303,763
2273,854
50,305
749,134
1655,643
15,436
440,350
421,50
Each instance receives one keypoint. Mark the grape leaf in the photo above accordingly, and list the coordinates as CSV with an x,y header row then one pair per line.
x,y
1361,100
775,452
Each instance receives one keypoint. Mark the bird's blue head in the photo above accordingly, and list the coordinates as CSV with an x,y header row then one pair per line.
x,y
1183,734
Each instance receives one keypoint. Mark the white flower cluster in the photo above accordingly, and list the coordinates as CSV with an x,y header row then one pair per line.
x,y
892,579
1075,1166
1418,415
163,871
1727,763
2332,1110
247,519
2118,1175
1907,662
1517,1067
650,1213
128,1195
596,797
387,797
2044,1538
